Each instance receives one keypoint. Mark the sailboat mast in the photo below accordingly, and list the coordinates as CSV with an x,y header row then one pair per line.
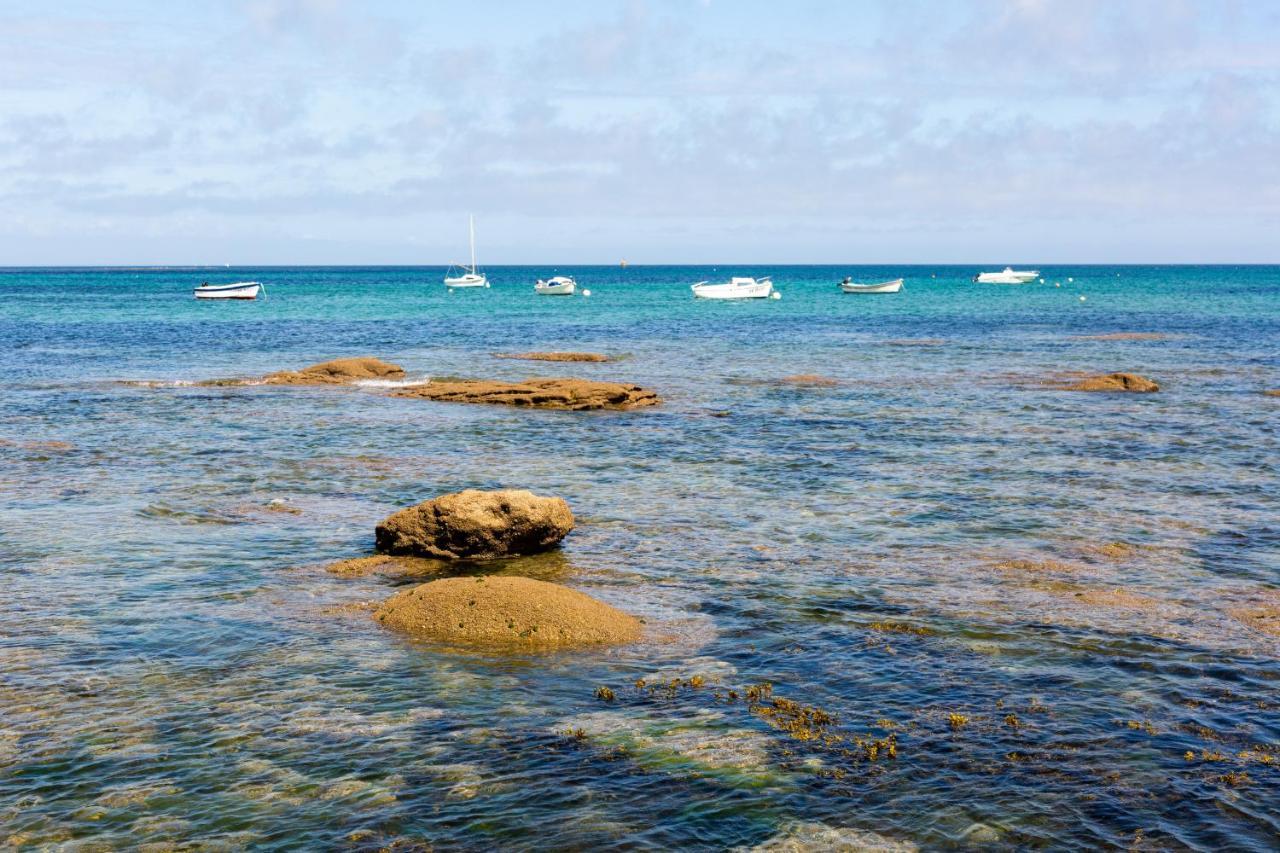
x,y
472,219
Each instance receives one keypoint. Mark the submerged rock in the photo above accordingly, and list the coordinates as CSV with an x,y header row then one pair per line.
x,y
495,610
1273,393
384,564
341,371
337,372
1261,615
554,356
810,837
575,394
1124,336
809,380
476,525
1113,382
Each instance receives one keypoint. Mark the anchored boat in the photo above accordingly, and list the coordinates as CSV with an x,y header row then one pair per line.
x,y
238,290
1008,276
736,288
560,285
850,286
470,277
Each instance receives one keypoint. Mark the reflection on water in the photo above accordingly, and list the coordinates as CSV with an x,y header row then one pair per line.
x,y
1054,605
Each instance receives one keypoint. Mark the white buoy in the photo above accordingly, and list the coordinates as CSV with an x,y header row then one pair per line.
x,y
775,295
1042,279
586,293
1070,279
1057,284
1082,299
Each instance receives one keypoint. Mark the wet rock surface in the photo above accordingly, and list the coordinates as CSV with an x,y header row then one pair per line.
x,y
554,356
476,525
572,394
503,611
341,371
1109,382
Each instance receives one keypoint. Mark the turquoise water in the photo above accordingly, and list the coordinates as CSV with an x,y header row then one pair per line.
x,y
176,665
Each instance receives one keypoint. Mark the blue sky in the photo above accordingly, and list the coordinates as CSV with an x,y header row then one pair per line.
x,y
321,131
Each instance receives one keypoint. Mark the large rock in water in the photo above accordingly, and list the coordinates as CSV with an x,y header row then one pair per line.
x,y
506,611
575,394
554,356
476,525
1114,382
337,372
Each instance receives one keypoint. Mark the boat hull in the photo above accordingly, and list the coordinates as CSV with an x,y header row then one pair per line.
x,y
466,281
758,290
554,289
883,287
244,290
1008,276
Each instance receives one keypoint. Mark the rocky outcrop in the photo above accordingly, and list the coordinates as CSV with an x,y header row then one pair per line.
x,y
337,372
506,611
574,394
554,356
341,371
476,525
1112,382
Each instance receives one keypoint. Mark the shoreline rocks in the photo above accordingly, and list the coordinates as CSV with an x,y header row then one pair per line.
x,y
476,525
493,610
569,394
554,356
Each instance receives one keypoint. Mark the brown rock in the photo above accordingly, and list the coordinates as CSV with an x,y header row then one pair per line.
x,y
385,564
575,394
1034,566
337,372
476,525
1112,382
340,371
500,611
1275,393
553,356
1262,615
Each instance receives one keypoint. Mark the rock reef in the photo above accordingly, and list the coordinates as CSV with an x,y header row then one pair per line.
x,y
476,525
572,394
1109,382
341,371
506,611
554,356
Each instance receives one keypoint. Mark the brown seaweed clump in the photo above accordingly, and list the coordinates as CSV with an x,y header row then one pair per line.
x,y
1111,382
494,610
1272,393
554,356
572,394
476,525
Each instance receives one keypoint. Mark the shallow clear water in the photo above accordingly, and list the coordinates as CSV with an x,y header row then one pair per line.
x,y
176,665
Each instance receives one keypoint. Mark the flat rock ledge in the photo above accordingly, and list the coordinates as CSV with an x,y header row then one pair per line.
x,y
1108,382
554,356
476,525
341,371
506,611
571,394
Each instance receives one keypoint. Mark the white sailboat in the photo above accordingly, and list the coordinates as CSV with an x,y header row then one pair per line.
x,y
470,276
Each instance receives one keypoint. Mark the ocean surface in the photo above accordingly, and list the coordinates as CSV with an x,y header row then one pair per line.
x,y
178,667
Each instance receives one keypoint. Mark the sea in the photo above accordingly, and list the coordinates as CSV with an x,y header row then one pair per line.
x,y
997,614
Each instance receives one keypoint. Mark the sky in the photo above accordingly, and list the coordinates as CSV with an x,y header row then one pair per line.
x,y
686,131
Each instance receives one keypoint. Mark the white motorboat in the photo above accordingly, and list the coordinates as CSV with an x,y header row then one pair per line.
x,y
469,276
560,285
1008,276
736,288
850,286
238,290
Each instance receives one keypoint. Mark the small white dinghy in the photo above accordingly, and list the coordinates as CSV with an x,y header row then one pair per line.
x,y
1008,276
850,286
736,288
239,290
560,285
